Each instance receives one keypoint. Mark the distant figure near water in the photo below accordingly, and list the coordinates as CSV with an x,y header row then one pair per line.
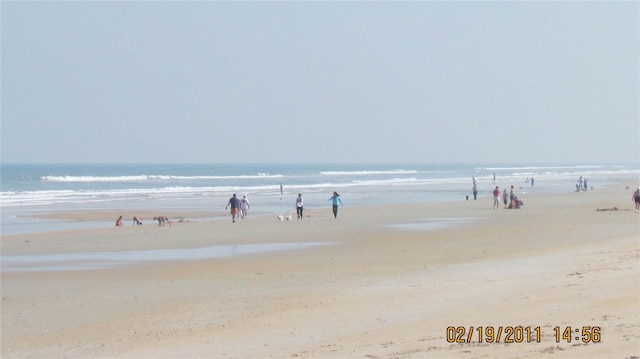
x,y
119,222
299,206
137,221
335,200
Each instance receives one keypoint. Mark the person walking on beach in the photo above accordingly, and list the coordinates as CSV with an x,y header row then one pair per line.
x,y
244,207
496,198
636,198
475,192
299,206
234,203
505,197
335,200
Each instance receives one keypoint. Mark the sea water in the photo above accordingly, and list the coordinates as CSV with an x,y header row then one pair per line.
x,y
104,260
29,190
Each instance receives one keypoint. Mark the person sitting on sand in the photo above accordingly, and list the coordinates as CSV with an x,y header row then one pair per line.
x,y
517,203
119,222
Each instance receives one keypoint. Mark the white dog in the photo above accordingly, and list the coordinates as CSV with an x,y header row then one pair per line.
x,y
283,217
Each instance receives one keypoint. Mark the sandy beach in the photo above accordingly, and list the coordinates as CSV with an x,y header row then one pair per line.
x,y
377,282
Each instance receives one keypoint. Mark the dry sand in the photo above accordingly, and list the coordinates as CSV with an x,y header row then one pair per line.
x,y
377,291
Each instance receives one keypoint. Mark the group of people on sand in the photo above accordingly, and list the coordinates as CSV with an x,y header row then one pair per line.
x,y
509,198
240,207
581,184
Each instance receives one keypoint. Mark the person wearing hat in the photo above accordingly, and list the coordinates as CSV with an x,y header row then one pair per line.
x,y
244,207
636,198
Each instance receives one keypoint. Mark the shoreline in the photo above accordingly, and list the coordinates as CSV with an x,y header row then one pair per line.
x,y
378,291
79,219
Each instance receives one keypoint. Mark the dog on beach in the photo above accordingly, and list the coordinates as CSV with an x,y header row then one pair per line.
x,y
283,217
162,220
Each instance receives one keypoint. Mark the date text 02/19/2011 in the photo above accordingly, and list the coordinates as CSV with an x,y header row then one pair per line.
x,y
520,334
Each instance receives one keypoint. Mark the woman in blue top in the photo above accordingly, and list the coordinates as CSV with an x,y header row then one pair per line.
x,y
335,200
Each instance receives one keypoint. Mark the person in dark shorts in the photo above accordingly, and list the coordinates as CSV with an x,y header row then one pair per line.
x,y
299,206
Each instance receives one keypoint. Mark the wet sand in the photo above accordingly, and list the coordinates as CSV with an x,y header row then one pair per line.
x,y
386,282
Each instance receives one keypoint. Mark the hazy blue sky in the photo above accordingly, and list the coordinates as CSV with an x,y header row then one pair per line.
x,y
320,81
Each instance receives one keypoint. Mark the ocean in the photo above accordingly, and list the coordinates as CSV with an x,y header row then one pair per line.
x,y
27,190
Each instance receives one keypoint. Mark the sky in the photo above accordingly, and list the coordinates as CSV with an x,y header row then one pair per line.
x,y
320,82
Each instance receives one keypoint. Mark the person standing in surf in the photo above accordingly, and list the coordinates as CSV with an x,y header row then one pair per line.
x,y
335,200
